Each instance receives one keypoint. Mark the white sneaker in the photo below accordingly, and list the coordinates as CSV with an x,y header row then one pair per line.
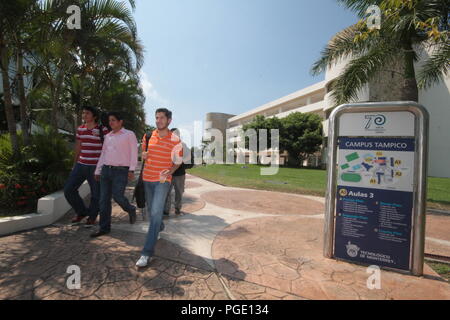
x,y
143,261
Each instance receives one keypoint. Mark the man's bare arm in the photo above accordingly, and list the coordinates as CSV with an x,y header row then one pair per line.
x,y
174,168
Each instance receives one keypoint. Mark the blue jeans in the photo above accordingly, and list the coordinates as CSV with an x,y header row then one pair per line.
x,y
78,176
113,181
155,198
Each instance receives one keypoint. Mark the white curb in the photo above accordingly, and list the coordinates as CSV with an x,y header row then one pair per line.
x,y
50,209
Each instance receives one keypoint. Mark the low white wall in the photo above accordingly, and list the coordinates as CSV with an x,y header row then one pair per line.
x,y
50,209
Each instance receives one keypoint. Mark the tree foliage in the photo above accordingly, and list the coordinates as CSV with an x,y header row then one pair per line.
x,y
408,28
300,134
96,65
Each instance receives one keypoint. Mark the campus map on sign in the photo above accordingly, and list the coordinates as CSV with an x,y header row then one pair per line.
x,y
376,163
374,200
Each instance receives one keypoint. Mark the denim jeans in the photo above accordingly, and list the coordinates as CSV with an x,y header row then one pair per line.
x,y
155,197
113,181
78,176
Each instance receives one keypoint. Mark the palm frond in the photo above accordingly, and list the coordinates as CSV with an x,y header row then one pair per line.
x,y
112,10
359,72
343,45
436,67
359,6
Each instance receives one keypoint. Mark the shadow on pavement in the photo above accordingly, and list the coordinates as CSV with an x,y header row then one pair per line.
x,y
34,265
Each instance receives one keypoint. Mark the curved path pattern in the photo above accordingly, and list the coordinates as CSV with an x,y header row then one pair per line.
x,y
230,243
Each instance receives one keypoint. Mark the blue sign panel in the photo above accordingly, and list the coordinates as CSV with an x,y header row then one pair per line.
x,y
375,201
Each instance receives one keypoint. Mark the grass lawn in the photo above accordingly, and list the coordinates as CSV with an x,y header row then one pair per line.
x,y
442,269
302,181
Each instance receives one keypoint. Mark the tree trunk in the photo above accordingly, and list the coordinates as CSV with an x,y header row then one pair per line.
x,y
9,111
24,117
54,120
75,124
410,91
79,104
56,92
294,161
79,118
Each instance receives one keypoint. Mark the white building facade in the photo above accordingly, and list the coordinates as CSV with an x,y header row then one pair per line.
x,y
317,99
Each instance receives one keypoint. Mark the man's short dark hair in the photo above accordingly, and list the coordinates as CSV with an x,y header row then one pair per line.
x,y
116,115
167,112
93,110
176,131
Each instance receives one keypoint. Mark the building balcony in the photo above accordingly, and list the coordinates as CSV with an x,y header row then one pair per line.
x,y
313,107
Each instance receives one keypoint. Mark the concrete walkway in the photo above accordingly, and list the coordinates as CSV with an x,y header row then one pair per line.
x,y
230,243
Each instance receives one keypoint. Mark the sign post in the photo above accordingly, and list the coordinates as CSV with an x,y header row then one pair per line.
x,y
376,189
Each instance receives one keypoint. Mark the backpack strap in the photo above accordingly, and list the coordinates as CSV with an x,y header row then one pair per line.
x,y
147,139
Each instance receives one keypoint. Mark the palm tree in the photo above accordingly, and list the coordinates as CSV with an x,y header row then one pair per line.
x,y
48,46
408,27
107,39
7,96
21,28
13,18
60,52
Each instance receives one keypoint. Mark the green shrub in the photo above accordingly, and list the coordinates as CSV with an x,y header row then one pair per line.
x,y
38,170
49,156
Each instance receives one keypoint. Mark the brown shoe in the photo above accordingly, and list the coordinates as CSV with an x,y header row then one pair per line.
x,y
90,223
78,219
99,233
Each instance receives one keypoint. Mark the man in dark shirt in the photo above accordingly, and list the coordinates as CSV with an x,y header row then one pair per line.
x,y
178,179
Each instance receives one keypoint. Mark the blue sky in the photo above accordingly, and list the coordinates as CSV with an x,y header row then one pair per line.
x,y
230,55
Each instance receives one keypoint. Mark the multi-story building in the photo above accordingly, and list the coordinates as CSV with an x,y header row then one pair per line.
x,y
64,126
12,71
317,99
27,77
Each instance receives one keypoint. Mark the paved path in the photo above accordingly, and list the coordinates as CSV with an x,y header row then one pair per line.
x,y
231,243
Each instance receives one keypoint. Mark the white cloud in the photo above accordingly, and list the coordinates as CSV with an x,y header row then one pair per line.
x,y
152,96
153,99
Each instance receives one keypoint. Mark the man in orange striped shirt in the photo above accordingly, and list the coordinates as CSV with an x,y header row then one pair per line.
x,y
163,158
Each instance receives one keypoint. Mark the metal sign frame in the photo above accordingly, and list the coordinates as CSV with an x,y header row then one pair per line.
x,y
420,175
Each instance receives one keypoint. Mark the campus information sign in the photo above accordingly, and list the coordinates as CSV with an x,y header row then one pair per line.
x,y
375,151
375,201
